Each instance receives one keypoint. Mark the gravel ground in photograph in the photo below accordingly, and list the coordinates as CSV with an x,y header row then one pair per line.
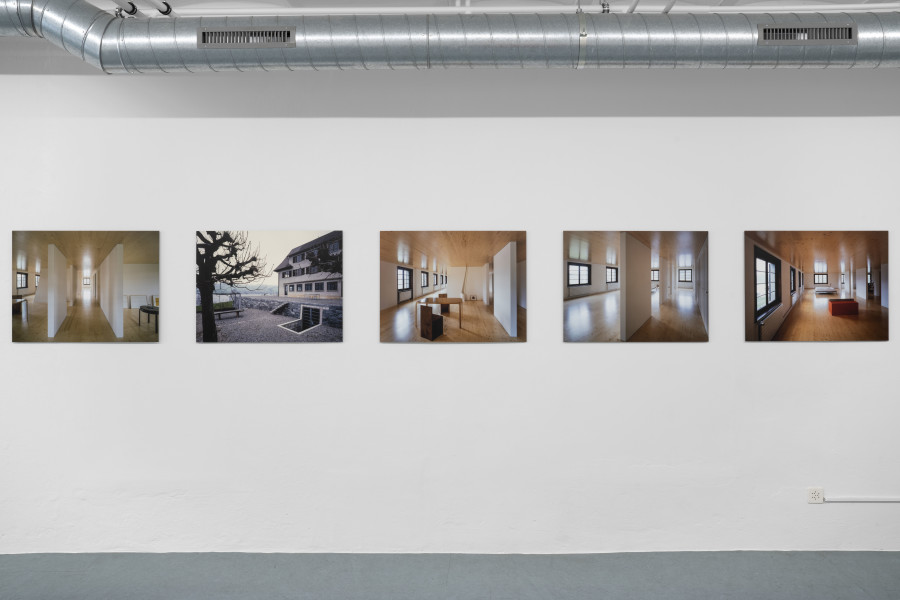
x,y
259,326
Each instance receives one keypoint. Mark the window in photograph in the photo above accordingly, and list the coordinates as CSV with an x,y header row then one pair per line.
x,y
768,289
579,274
820,278
308,287
21,280
334,247
685,275
424,279
404,276
291,287
612,275
331,286
654,274
320,287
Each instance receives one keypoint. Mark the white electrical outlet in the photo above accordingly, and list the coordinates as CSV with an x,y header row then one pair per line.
x,y
815,495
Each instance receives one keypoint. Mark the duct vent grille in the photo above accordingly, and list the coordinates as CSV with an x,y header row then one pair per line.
x,y
266,37
776,35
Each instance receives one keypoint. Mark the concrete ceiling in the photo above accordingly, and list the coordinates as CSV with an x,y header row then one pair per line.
x,y
804,248
85,250
450,248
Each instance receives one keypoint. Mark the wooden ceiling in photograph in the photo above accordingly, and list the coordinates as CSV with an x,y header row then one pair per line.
x,y
599,247
669,245
87,249
451,248
804,248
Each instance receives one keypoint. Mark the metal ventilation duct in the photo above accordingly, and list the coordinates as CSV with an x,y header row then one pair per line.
x,y
575,40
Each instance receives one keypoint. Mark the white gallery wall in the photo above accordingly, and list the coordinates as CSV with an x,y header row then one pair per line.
x,y
440,448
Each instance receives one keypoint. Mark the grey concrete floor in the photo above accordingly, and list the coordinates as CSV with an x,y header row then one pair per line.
x,y
639,576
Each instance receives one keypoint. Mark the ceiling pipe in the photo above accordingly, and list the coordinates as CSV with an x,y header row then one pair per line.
x,y
506,9
435,41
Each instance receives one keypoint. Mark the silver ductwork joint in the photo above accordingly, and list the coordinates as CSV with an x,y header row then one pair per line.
x,y
574,40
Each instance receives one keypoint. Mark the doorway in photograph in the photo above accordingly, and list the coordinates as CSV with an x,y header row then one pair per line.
x,y
635,286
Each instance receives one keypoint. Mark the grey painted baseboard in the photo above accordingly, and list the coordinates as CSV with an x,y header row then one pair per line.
x,y
669,576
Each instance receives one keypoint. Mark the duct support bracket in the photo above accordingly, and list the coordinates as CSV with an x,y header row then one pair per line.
x,y
120,11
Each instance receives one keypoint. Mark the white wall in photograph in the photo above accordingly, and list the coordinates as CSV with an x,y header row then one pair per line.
x,y
635,301
111,283
505,288
538,447
140,280
56,289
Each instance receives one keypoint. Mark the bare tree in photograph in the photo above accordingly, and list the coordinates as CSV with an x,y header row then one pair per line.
x,y
225,257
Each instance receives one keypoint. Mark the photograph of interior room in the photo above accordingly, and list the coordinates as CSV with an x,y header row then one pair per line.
x,y
85,286
816,285
631,286
482,273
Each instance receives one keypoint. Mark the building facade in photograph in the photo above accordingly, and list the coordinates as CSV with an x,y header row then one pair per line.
x,y
313,270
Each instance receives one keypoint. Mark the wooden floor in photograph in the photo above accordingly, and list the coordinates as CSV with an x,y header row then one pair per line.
x,y
676,320
398,324
809,321
84,322
593,318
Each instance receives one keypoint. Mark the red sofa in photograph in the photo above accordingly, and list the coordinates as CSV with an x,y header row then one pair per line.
x,y
844,306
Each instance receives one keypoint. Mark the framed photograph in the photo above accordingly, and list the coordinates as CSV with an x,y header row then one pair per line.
x,y
635,286
816,286
453,286
85,286
270,286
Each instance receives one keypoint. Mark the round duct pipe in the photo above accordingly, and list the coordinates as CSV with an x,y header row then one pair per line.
x,y
575,40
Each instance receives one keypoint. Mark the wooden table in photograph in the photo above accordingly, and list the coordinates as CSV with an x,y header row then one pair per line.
x,y
458,301
150,310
